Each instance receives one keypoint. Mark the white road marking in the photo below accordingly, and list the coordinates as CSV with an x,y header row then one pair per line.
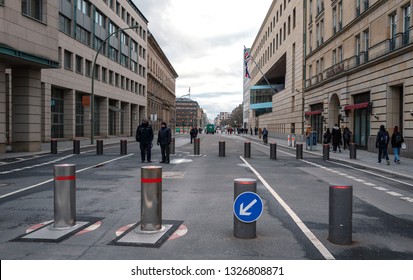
x,y
408,199
381,189
359,180
51,180
370,184
394,193
320,247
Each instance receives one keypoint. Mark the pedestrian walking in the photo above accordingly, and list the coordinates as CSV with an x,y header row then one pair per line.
x,y
327,137
265,136
382,141
193,133
164,140
308,134
346,138
396,143
336,135
144,135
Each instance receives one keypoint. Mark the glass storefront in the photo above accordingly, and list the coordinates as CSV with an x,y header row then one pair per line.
x,y
57,115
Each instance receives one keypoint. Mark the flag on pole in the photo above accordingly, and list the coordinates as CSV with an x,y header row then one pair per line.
x,y
247,58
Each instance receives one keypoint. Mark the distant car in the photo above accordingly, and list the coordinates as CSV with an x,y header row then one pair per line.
x,y
210,128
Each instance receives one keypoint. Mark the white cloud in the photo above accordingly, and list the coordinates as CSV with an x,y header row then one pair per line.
x,y
204,41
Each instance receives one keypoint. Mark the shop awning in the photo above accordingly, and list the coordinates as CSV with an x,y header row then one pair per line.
x,y
318,112
357,106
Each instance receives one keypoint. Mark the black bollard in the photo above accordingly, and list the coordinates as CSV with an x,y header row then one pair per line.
x,y
299,151
53,146
273,151
99,147
76,146
221,148
123,147
352,147
247,149
197,144
340,214
326,152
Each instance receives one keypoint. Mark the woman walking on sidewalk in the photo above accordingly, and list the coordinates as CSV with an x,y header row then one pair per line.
x,y
396,143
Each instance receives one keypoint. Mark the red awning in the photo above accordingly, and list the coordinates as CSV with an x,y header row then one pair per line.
x,y
318,112
357,106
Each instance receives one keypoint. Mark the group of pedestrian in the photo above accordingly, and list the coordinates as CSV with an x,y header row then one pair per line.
x,y
382,141
338,138
144,135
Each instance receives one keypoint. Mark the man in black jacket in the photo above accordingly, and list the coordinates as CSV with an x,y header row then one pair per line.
x,y
144,135
164,139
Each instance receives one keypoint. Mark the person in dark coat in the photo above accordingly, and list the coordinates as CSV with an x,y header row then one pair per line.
x,y
164,140
327,137
396,143
144,135
193,133
265,136
346,137
336,135
382,140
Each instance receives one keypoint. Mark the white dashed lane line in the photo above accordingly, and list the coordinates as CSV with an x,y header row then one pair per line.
x,y
395,194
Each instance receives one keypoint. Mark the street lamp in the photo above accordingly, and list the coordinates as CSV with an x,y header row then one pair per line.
x,y
92,101
188,94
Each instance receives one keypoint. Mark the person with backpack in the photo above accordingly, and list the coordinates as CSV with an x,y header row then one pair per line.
x,y
265,136
396,143
144,135
382,140
346,137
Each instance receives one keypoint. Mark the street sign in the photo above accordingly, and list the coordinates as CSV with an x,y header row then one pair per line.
x,y
248,207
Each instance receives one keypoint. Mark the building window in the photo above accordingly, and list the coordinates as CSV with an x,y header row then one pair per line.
x,y
340,54
116,80
65,24
111,77
358,49
113,28
97,67
88,68
68,60
57,113
358,12
366,40
84,7
334,57
340,15
1,2
393,31
32,8
113,53
294,18
82,35
104,73
100,19
124,60
334,20
98,43
79,64
406,24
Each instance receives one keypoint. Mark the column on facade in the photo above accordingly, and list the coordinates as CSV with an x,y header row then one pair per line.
x,y
134,118
142,113
3,106
126,108
26,102
118,118
46,112
104,116
87,111
69,113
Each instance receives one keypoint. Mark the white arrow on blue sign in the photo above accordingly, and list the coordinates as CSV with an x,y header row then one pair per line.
x,y
248,207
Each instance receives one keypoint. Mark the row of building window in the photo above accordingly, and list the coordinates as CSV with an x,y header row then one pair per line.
x,y
84,66
362,48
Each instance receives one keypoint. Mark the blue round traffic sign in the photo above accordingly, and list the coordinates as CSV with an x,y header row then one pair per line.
x,y
248,207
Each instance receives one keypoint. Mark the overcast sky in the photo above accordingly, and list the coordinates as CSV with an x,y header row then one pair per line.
x,y
204,42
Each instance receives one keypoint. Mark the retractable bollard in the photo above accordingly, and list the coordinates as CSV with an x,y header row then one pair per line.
x,y
326,152
197,146
273,151
123,147
99,147
76,146
53,146
293,140
340,214
151,198
64,196
353,153
172,146
289,140
241,229
247,149
221,148
299,151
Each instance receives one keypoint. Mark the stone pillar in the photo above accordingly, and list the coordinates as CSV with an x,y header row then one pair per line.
x,y
3,115
86,121
46,112
26,88
69,113
126,107
104,116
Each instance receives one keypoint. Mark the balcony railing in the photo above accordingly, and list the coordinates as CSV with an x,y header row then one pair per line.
x,y
375,52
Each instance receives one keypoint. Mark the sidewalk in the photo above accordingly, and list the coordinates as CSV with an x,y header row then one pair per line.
x,y
363,158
